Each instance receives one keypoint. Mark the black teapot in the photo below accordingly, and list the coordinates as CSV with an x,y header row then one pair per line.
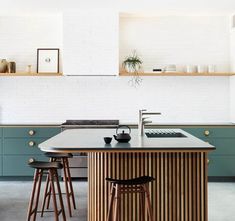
x,y
122,137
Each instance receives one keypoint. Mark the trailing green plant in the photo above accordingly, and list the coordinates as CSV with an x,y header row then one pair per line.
x,y
132,63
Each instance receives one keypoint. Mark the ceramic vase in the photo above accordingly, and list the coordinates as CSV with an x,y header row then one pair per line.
x,y
3,66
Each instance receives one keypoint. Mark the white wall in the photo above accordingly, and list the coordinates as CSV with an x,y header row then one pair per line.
x,y
20,36
176,40
232,79
90,42
55,99
232,98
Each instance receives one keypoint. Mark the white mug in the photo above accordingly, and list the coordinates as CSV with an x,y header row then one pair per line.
x,y
201,69
190,69
211,68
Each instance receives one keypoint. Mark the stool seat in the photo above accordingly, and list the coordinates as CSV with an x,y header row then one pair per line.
x,y
58,155
135,181
45,165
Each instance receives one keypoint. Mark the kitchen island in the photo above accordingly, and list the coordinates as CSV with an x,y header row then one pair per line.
x,y
178,164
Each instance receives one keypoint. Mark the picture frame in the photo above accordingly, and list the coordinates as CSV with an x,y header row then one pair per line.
x,y
48,60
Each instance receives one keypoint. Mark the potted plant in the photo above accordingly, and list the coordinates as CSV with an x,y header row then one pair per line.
x,y
132,63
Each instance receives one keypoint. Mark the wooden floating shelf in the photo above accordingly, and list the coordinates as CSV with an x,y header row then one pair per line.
x,y
178,74
29,74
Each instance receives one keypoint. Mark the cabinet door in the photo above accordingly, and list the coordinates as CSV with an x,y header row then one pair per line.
x,y
221,166
0,165
22,146
1,146
16,165
90,43
224,146
208,132
31,131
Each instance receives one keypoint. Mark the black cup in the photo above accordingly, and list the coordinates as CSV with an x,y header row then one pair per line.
x,y
107,140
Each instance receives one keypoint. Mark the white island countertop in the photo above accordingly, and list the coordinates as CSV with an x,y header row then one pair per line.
x,y
88,140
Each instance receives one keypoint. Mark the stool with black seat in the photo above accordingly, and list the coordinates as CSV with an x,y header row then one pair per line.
x,y
42,168
62,158
136,185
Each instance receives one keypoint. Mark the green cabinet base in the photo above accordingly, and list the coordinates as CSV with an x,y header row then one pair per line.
x,y
16,165
223,166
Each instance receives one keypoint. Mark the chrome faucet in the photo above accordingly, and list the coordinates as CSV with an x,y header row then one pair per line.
x,y
142,120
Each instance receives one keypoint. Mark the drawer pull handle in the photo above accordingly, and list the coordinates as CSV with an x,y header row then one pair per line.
x,y
31,160
208,161
31,132
31,143
206,132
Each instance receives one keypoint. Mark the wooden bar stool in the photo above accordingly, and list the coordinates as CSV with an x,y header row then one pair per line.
x,y
40,169
136,185
62,158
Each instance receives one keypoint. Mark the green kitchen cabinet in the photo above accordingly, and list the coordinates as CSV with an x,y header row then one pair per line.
x,y
1,147
22,146
208,132
221,166
30,131
0,165
17,165
221,160
19,144
224,146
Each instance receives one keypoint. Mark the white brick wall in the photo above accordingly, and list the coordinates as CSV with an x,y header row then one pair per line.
x,y
51,99
176,40
20,37
55,99
232,96
90,41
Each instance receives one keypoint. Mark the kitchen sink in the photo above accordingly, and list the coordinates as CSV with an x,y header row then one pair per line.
x,y
163,134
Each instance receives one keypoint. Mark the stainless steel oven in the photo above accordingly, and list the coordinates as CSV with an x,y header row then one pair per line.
x,y
78,164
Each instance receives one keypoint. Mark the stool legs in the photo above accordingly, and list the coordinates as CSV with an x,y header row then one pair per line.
x,y
115,198
47,194
68,188
51,179
147,198
111,199
36,189
117,203
53,175
142,206
68,185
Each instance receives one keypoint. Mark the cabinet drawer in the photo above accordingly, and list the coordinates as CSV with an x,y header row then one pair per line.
x,y
211,132
224,146
22,146
0,146
221,166
30,131
0,165
18,165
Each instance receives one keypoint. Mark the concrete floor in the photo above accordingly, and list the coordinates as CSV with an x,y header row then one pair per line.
x,y
14,197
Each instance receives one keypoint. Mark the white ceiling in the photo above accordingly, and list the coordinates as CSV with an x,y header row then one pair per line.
x,y
157,7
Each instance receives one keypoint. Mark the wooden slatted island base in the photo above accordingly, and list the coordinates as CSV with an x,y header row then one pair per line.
x,y
179,166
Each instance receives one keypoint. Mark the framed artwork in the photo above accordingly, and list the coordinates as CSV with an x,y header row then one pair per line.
x,y
48,60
